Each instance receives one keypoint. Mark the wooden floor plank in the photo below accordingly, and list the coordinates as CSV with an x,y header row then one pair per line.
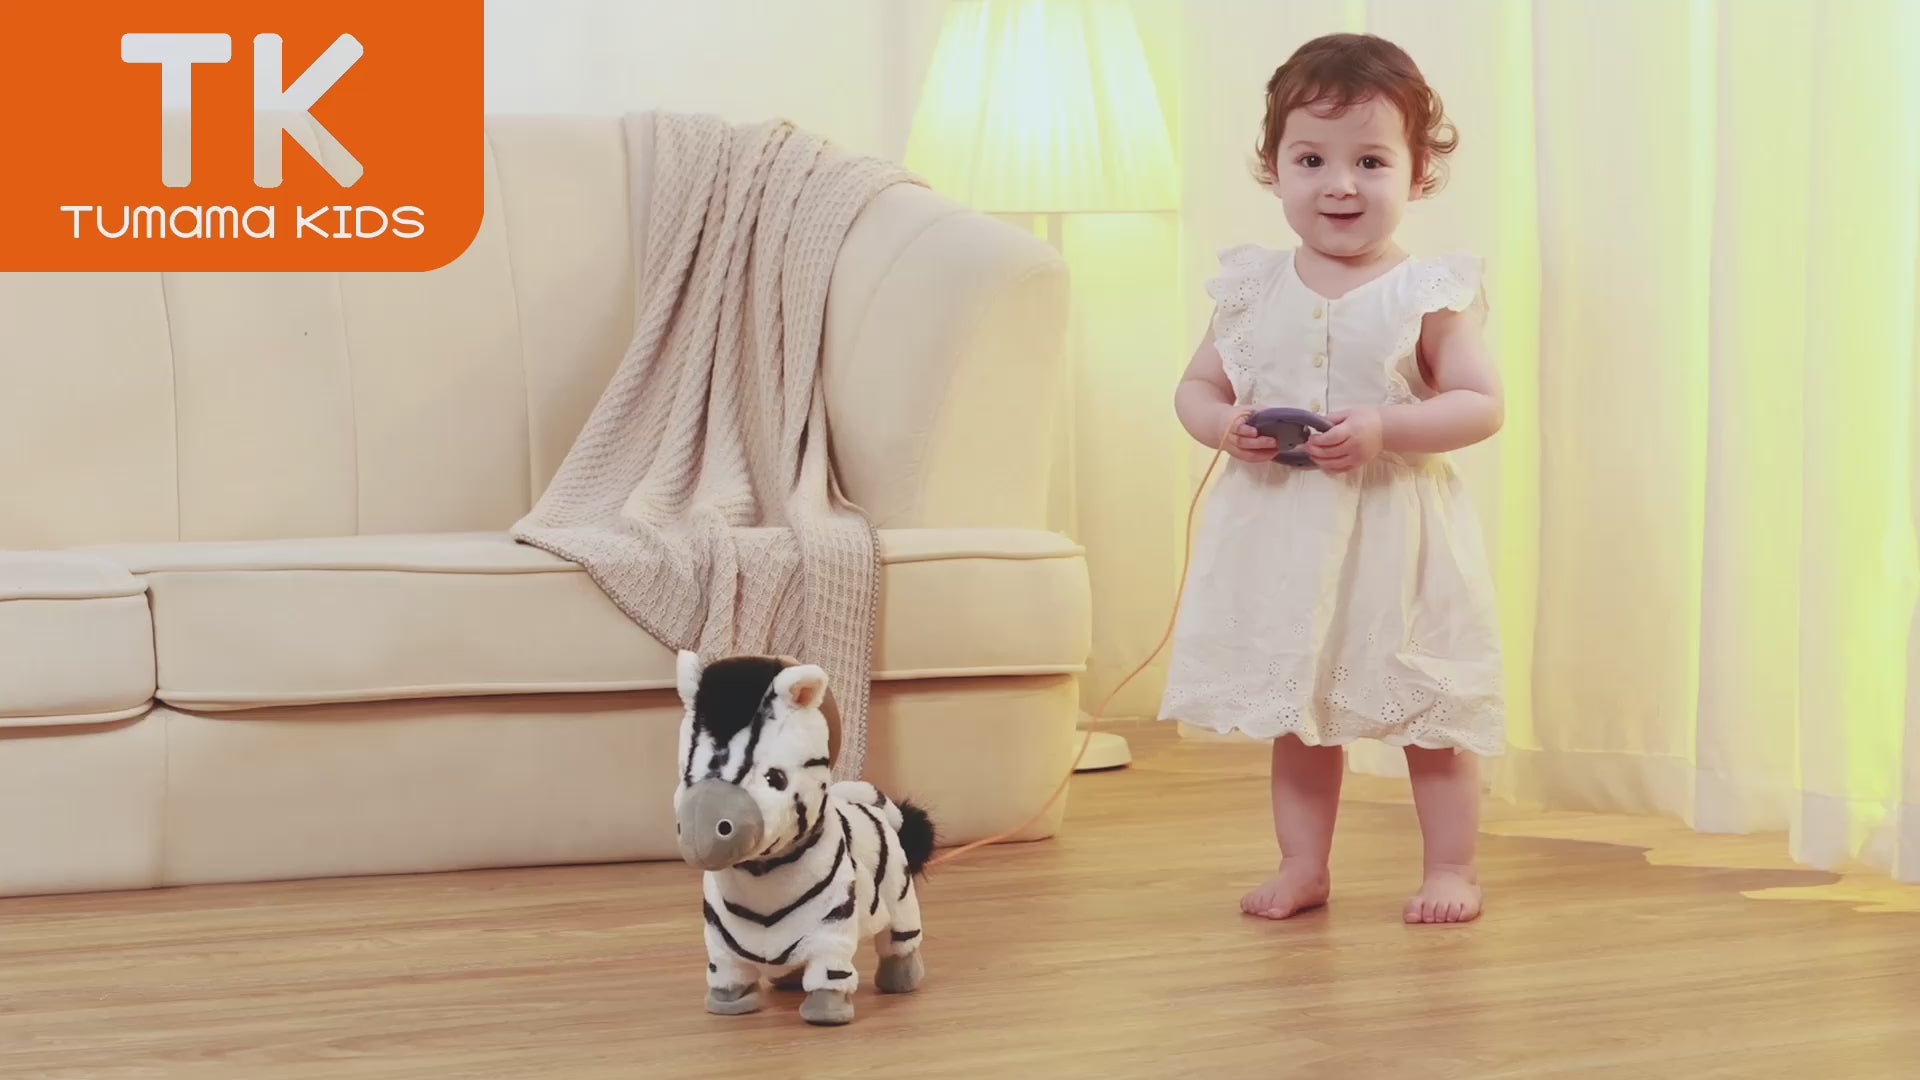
x,y
1611,947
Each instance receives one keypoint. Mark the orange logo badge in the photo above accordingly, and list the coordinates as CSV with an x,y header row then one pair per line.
x,y
234,135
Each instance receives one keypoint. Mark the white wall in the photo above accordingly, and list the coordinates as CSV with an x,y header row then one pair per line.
x,y
827,65
850,69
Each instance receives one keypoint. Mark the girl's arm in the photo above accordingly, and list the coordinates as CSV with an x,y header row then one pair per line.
x,y
1204,403
1468,406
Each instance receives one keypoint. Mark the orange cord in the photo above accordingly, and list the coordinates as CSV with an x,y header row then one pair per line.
x,y
1186,560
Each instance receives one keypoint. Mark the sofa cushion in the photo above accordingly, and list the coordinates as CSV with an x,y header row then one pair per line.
x,y
76,644
244,624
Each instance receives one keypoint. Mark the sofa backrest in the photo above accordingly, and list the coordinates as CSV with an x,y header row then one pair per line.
x,y
140,407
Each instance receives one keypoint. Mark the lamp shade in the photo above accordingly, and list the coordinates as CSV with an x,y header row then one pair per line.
x,y
1043,107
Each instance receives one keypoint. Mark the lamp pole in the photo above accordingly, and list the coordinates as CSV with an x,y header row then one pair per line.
x,y
1032,110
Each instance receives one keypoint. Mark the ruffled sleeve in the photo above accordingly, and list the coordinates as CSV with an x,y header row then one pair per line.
x,y
1245,272
1451,282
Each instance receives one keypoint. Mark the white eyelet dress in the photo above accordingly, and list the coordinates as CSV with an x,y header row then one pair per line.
x,y
1337,608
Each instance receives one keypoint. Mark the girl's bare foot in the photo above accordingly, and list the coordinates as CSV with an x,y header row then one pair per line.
x,y
1306,798
1450,894
1446,795
1296,888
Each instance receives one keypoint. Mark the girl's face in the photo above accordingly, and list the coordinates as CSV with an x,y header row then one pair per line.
x,y
1345,181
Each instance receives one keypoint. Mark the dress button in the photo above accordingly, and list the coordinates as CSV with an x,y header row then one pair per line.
x,y
1320,360
1317,407
1318,311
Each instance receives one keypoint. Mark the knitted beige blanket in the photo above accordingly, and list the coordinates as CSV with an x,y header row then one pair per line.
x,y
699,495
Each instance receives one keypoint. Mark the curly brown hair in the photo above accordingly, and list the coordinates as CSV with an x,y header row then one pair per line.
x,y
1338,71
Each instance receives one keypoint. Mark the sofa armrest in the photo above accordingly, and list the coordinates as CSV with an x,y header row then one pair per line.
x,y
944,359
76,641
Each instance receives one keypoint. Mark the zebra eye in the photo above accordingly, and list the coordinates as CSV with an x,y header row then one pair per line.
x,y
777,779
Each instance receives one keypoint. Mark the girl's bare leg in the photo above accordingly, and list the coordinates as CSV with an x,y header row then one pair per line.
x,y
1446,795
1306,800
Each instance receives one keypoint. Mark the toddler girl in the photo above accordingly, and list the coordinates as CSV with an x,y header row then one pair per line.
x,y
1350,599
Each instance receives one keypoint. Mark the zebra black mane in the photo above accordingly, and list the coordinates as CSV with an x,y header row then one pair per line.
x,y
730,695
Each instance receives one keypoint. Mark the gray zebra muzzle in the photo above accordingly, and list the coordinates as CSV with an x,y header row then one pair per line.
x,y
720,825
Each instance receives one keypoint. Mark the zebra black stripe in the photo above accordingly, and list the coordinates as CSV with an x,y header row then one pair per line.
x,y
753,733
713,920
880,867
905,935
844,911
818,763
763,867
846,830
819,887
836,975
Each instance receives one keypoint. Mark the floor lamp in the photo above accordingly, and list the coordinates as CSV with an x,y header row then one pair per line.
x,y
1043,110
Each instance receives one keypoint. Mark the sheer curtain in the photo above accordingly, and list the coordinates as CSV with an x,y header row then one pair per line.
x,y
1703,227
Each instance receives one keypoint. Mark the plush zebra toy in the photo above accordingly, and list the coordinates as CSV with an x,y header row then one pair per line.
x,y
798,869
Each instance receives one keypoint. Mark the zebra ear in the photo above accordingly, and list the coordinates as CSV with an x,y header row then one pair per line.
x,y
802,686
687,673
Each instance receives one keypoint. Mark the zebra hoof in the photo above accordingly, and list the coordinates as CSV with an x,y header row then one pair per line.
x,y
827,1007
900,974
733,1000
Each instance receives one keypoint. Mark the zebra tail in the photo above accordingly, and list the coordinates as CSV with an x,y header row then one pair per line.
x,y
918,836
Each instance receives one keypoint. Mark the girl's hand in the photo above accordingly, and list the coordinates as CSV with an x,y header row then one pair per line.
x,y
1244,443
1354,440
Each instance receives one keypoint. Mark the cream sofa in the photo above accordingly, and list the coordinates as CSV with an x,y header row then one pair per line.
x,y
260,617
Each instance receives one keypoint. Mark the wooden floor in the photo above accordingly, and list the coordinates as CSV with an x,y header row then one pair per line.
x,y
1610,948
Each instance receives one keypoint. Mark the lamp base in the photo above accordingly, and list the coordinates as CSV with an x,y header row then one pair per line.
x,y
1105,750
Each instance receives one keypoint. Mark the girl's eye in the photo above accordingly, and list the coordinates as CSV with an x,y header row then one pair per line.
x,y
1311,161
1372,163
776,779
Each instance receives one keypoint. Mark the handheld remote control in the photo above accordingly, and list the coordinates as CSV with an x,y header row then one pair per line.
x,y
1290,427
